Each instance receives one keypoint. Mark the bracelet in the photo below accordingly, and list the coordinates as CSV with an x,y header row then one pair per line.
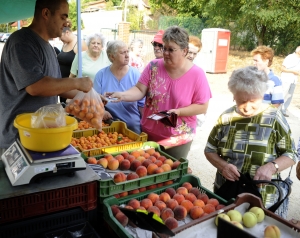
x,y
276,166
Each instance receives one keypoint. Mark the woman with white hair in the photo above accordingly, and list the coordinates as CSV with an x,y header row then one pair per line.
x,y
94,59
119,76
135,54
251,137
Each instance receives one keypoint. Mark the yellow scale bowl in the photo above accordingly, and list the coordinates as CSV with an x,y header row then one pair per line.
x,y
44,139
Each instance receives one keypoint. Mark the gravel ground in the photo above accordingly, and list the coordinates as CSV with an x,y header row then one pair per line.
x,y
222,99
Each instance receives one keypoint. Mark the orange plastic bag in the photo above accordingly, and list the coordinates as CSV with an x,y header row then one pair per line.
x,y
87,107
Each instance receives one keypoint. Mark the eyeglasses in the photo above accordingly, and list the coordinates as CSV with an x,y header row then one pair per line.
x,y
192,53
170,50
155,44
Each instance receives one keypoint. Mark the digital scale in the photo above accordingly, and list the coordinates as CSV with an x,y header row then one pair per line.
x,y
23,166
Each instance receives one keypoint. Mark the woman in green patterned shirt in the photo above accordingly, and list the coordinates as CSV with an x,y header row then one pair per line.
x,y
251,136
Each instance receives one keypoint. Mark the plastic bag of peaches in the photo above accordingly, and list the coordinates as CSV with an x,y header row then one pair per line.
x,y
88,107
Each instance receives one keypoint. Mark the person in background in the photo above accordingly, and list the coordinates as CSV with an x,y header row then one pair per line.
x,y
119,76
94,59
290,71
135,54
172,84
157,44
68,52
263,59
29,71
195,46
251,136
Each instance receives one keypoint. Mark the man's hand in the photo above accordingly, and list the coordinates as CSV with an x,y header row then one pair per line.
x,y
85,84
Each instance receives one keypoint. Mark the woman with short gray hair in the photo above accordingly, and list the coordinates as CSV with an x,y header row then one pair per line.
x,y
120,76
94,59
251,137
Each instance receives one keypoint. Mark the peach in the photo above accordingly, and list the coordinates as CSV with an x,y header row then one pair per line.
x,y
135,164
171,223
131,158
103,162
160,185
135,191
156,154
146,203
172,203
141,151
160,204
124,154
203,197
92,160
158,171
166,167
141,171
175,164
168,182
146,162
114,209
120,216
128,207
152,158
169,162
199,203
179,212
132,176
164,197
141,158
196,212
154,209
195,191
146,155
150,151
124,165
158,163
187,185
142,208
117,196
213,201
208,208
190,196
171,192
113,164
134,203
151,168
153,197
120,158
153,186
135,153
119,177
220,206
108,157
182,190
162,158
187,204
178,197
123,194
166,213
143,189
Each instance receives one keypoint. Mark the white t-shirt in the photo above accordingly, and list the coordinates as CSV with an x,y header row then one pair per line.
x,y
291,62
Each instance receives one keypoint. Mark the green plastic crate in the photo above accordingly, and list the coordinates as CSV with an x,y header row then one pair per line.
x,y
109,187
121,231
116,126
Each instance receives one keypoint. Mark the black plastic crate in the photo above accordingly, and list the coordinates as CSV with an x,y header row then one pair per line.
x,y
36,227
84,230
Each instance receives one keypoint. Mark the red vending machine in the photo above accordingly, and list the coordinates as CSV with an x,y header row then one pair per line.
x,y
215,49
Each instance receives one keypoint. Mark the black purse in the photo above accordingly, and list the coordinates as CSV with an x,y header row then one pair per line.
x,y
246,184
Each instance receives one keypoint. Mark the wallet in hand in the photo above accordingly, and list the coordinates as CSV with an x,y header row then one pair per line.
x,y
169,119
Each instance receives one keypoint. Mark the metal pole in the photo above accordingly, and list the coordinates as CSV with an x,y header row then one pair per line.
x,y
19,25
6,27
79,74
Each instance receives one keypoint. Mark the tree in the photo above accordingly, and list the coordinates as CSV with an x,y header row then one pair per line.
x,y
267,20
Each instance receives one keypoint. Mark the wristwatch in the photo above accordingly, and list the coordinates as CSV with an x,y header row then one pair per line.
x,y
276,166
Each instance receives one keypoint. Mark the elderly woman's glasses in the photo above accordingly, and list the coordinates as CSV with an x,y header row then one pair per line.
x,y
170,50
192,54
155,44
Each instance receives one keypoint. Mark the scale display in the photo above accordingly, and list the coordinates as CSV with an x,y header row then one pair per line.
x,y
22,165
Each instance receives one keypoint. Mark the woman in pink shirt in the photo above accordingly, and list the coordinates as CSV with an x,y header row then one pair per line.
x,y
172,84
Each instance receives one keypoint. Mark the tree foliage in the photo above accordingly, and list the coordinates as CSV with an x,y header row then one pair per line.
x,y
269,22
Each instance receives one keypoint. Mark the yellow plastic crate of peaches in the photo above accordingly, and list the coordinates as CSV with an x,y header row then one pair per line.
x,y
116,137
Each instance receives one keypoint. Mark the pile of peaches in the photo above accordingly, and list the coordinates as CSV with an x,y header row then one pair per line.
x,y
141,162
102,139
83,125
172,205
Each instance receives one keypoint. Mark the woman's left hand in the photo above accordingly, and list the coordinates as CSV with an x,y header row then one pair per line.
x,y
264,172
176,111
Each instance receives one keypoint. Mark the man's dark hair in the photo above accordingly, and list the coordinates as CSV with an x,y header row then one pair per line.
x,y
52,5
